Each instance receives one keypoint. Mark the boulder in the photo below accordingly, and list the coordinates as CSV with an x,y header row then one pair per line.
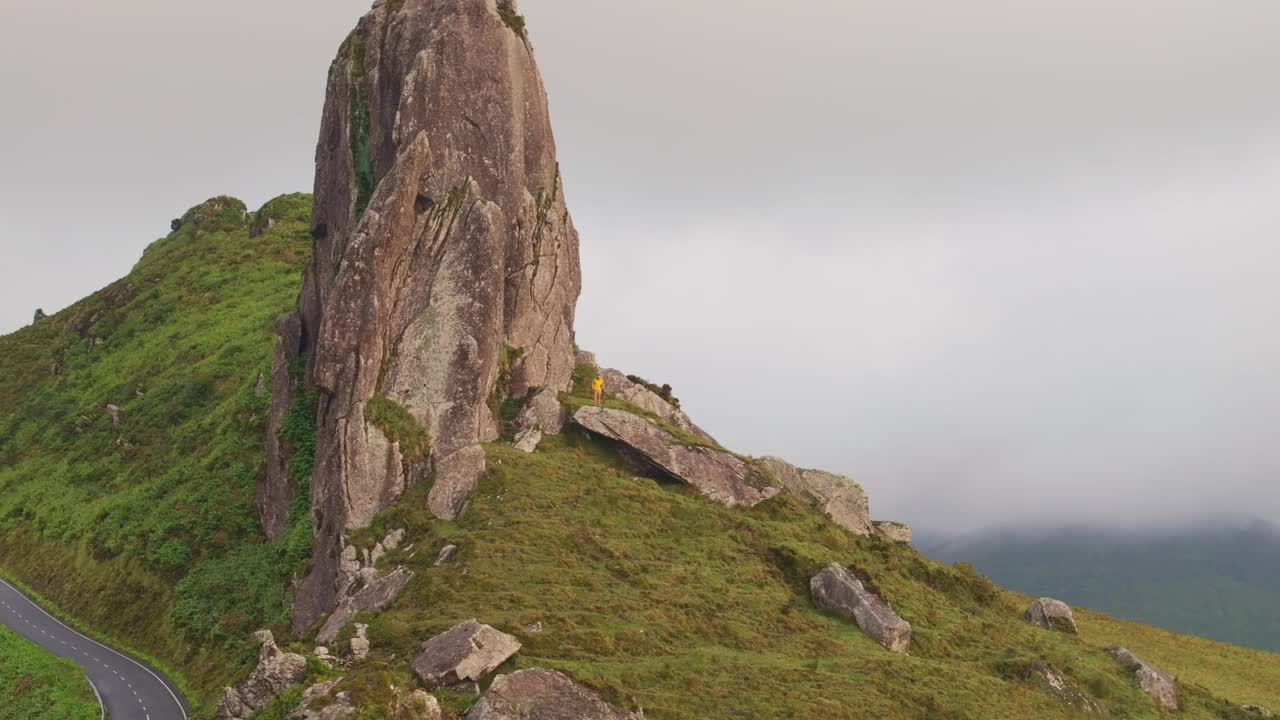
x,y
360,643
446,554
39,315
1052,614
1257,710
543,413
539,694
442,247
619,385
377,596
839,498
893,531
276,671
838,590
527,440
1161,686
116,415
717,474
467,652
1049,681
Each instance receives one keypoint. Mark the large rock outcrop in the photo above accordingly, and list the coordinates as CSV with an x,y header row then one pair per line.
x,y
276,671
840,498
445,273
1160,685
539,694
717,474
620,385
840,591
466,653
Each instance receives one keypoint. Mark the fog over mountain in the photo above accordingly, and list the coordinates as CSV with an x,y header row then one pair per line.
x,y
1002,262
1217,581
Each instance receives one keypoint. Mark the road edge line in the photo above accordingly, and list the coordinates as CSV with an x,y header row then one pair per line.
x,y
102,708
181,708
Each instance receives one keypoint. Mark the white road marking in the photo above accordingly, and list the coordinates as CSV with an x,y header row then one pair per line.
x,y
102,708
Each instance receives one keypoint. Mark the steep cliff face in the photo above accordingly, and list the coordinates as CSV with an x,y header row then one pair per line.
x,y
446,268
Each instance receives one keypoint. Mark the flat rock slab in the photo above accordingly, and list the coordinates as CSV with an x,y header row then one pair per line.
x,y
543,695
719,475
1052,614
376,596
1161,686
466,653
838,590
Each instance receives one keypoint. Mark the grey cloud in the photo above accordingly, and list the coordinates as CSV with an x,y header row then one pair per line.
x,y
1002,261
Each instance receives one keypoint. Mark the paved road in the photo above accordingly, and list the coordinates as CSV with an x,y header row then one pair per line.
x,y
128,689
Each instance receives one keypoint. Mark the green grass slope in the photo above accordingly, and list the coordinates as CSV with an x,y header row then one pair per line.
x,y
664,600
645,590
37,685
146,531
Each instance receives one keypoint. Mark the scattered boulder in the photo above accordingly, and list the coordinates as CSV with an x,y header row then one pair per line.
x,y
527,440
377,596
1043,677
116,415
543,413
840,498
1258,710
175,224
897,532
839,590
539,694
276,671
1161,686
39,315
446,554
1052,614
719,475
467,652
534,628
323,655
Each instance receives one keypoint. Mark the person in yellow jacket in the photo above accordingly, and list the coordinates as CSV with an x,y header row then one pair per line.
x,y
597,389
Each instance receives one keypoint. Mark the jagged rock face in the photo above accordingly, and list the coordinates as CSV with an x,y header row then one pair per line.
x,y
467,652
838,590
539,694
446,264
1161,686
276,671
719,475
1052,614
839,498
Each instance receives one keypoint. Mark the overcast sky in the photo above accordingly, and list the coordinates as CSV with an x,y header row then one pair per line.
x,y
1001,261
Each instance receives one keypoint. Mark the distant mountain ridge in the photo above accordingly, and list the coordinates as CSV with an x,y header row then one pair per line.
x,y
1221,582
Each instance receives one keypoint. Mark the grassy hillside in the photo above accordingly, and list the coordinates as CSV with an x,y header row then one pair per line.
x,y
146,530
38,685
1218,582
645,590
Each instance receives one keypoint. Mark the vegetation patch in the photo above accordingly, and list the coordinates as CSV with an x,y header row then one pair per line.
x,y
35,684
400,426
513,20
